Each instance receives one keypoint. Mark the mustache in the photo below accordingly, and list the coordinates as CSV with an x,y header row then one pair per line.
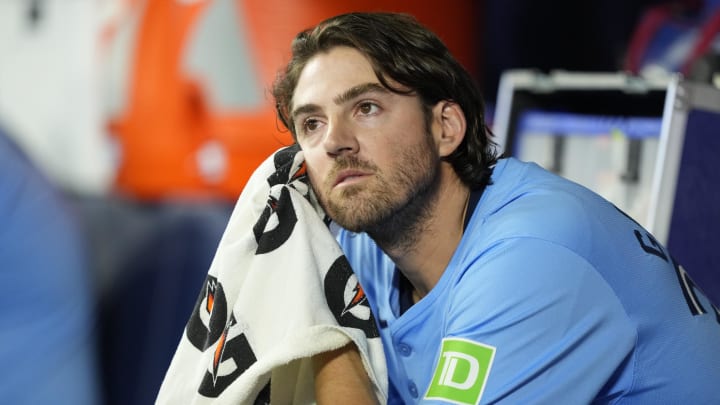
x,y
351,162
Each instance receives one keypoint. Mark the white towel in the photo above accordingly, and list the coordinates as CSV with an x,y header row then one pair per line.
x,y
278,291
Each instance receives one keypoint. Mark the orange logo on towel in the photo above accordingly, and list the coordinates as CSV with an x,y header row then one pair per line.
x,y
358,299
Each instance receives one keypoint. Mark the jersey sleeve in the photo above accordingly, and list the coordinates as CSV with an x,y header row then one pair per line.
x,y
556,331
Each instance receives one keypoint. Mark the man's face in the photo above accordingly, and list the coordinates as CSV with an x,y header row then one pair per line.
x,y
368,150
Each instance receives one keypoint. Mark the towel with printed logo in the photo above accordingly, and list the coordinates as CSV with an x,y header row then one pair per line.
x,y
279,290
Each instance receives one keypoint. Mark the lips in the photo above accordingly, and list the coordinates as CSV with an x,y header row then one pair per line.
x,y
348,176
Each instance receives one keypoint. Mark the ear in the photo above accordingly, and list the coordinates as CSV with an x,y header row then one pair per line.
x,y
448,126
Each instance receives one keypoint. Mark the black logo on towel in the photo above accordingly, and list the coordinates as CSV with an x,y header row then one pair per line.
x,y
211,327
232,356
209,316
278,219
283,212
285,171
346,298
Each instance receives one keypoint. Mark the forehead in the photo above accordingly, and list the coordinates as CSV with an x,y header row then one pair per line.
x,y
330,73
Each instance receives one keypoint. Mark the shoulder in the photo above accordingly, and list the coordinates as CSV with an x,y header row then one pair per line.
x,y
521,273
526,201
547,313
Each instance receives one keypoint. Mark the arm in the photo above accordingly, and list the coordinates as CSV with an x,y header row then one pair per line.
x,y
340,374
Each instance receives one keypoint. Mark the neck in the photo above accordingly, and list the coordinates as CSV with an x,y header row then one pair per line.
x,y
432,239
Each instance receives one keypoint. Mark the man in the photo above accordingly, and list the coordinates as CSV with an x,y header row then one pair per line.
x,y
492,280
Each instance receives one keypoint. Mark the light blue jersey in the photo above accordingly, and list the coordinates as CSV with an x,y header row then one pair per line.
x,y
553,296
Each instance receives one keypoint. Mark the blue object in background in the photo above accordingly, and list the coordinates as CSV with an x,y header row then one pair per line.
x,y
694,237
47,342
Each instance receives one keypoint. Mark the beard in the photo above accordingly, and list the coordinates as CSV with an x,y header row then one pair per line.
x,y
395,206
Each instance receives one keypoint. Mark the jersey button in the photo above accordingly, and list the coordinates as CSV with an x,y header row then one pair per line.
x,y
404,349
413,389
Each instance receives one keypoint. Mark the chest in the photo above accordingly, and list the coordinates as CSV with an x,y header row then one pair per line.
x,y
412,345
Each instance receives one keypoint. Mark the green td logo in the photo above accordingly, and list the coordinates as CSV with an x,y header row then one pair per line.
x,y
461,372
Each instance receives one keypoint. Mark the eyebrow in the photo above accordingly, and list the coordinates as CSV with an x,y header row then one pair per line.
x,y
349,94
359,90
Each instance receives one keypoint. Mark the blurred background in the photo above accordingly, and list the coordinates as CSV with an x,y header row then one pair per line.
x,y
128,129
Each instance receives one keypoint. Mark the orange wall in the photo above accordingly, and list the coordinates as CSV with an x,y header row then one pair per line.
x,y
168,120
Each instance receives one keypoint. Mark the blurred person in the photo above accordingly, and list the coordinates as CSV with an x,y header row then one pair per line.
x,y
47,306
491,279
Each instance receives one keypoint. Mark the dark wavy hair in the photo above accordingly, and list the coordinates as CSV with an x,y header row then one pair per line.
x,y
403,50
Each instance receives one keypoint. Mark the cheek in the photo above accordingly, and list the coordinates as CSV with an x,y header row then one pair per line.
x,y
386,154
314,173
311,158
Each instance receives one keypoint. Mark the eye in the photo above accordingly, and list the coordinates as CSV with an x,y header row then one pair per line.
x,y
368,108
310,125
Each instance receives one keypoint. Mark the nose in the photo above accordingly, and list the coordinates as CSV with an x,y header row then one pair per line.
x,y
340,139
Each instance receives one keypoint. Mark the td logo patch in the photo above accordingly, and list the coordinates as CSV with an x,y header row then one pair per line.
x,y
462,371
